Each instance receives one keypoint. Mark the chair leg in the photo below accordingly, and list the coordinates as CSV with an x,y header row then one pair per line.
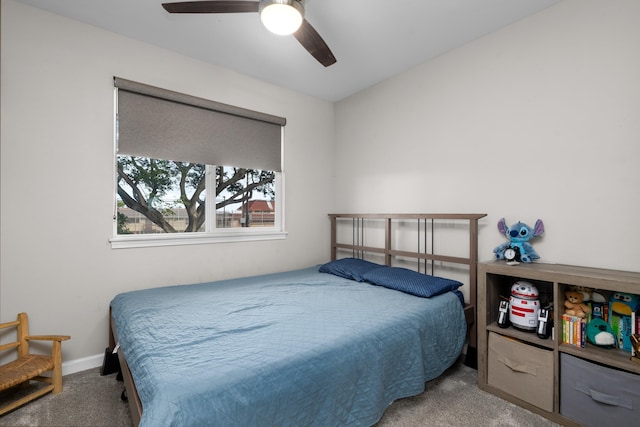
x,y
56,373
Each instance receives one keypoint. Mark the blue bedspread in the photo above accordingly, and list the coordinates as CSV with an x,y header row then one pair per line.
x,y
299,348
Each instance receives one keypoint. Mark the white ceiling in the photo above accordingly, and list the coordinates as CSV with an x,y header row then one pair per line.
x,y
371,39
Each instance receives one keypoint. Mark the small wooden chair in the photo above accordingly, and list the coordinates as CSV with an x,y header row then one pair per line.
x,y
29,367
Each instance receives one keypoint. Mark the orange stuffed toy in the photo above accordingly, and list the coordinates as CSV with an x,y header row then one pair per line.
x,y
574,305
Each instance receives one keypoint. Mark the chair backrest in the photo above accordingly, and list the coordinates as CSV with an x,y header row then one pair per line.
x,y
21,324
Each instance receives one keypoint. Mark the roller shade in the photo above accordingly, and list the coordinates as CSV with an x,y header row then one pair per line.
x,y
162,124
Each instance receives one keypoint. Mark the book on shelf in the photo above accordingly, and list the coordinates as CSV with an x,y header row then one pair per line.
x,y
599,310
574,330
634,331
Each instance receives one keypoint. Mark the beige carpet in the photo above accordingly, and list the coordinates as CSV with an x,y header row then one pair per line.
x,y
89,399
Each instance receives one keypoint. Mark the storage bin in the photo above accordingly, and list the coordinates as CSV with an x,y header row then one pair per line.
x,y
522,370
595,395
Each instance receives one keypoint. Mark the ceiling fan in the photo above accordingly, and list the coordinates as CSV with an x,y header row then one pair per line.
x,y
279,16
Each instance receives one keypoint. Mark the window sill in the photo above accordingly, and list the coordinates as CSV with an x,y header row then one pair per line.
x,y
156,240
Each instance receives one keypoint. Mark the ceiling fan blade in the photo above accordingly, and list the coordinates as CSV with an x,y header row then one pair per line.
x,y
311,40
212,6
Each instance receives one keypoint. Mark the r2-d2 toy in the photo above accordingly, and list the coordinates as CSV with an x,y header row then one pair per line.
x,y
524,306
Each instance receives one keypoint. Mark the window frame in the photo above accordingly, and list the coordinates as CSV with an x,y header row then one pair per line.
x,y
213,235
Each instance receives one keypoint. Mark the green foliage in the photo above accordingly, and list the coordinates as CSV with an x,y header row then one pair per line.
x,y
122,224
238,184
144,184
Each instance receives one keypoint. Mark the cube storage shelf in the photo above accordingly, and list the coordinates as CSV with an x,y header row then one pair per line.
x,y
528,371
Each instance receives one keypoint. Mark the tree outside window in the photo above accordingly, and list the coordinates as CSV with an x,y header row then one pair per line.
x,y
164,196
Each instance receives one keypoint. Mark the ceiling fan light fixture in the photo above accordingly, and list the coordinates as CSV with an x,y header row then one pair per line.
x,y
282,17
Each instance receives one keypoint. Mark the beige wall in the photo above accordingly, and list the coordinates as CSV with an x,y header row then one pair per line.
x,y
57,175
538,120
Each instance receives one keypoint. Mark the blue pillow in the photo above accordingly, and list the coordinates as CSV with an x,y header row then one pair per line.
x,y
349,268
411,282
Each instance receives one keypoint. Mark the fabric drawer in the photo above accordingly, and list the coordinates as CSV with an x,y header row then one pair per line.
x,y
522,370
594,395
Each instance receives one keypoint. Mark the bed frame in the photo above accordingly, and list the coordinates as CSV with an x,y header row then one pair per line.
x,y
425,258
424,254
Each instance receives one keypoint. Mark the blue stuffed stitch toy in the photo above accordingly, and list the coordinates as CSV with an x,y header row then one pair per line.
x,y
518,248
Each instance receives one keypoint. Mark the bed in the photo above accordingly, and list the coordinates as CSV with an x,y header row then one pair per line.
x,y
332,344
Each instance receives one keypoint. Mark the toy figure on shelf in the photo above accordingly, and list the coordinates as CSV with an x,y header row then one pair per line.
x,y
575,305
635,343
621,307
518,248
600,333
524,306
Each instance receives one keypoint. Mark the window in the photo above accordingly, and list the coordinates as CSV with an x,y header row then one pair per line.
x,y
172,182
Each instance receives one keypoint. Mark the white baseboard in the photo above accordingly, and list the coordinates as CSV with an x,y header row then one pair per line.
x,y
79,365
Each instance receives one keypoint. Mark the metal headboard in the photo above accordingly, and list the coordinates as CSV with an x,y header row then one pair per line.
x,y
421,254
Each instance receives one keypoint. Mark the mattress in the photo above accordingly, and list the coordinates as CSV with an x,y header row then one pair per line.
x,y
288,349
